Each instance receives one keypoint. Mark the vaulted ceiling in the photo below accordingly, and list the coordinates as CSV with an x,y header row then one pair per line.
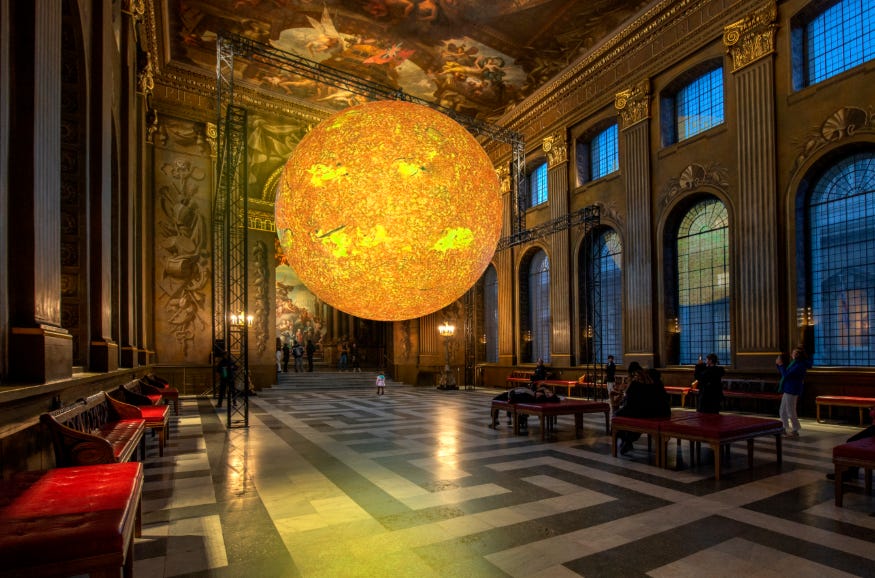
x,y
478,57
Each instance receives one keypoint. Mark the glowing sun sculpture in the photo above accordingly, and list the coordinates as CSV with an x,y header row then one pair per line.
x,y
388,210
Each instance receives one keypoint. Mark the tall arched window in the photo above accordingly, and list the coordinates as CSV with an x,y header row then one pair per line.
x,y
703,282
841,241
536,336
490,313
601,297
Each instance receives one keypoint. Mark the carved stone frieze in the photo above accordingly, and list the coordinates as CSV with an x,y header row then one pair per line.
x,y
752,37
556,148
261,302
843,123
609,211
693,177
633,104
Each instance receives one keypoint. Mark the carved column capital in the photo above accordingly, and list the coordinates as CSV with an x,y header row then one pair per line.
x,y
752,37
504,182
556,149
633,104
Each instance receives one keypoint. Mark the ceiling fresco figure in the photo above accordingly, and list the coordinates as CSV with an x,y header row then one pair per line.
x,y
477,58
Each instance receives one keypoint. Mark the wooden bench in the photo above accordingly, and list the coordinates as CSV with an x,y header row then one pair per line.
x,y
518,377
97,430
717,430
157,416
856,454
169,394
861,403
548,411
71,521
680,390
757,390
556,383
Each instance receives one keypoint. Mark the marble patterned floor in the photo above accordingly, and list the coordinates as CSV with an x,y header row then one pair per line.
x,y
343,483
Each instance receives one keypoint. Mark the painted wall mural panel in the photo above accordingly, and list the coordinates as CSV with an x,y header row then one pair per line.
x,y
298,311
182,247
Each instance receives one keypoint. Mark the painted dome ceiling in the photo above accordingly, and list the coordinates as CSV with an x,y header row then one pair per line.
x,y
478,58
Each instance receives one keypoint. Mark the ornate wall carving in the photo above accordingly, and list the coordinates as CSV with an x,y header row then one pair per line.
x,y
846,122
182,243
693,177
261,298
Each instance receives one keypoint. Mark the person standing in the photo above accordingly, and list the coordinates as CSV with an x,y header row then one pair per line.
x,y
227,368
354,358
381,383
298,354
610,375
279,357
791,384
311,349
709,374
286,352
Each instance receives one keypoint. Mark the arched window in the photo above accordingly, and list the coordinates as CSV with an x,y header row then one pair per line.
x,y
535,305
841,241
490,313
703,282
601,297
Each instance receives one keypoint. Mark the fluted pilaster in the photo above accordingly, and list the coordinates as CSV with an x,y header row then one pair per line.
x,y
556,148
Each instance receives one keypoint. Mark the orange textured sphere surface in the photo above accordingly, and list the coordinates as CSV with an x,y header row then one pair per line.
x,y
388,210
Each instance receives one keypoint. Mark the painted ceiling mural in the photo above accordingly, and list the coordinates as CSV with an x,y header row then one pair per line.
x,y
477,57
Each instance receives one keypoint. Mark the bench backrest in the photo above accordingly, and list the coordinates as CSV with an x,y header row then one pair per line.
x,y
86,415
751,385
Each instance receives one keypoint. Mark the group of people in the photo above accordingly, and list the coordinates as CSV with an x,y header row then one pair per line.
x,y
297,352
348,357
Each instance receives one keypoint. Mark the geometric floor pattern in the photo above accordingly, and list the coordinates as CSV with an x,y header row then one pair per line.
x,y
341,482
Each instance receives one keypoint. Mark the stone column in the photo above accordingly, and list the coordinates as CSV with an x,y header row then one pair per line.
x,y
40,349
639,319
556,148
504,270
750,45
103,351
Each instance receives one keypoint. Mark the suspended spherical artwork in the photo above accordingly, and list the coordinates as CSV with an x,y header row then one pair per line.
x,y
388,210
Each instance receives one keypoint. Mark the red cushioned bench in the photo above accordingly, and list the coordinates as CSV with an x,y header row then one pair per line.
x,y
861,403
169,394
518,377
643,425
575,407
69,521
555,383
719,430
682,391
97,430
157,416
856,454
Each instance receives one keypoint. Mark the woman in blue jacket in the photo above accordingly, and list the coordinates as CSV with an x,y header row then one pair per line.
x,y
791,383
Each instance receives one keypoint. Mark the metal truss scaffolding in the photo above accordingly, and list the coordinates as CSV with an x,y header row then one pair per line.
x,y
230,245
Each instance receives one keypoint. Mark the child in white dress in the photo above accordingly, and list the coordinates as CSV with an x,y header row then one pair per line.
x,y
381,383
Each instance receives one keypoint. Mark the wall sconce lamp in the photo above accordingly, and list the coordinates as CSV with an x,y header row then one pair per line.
x,y
527,335
674,325
804,316
484,339
448,380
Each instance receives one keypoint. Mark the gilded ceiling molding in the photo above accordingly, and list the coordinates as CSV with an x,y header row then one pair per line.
x,y
556,147
260,221
752,37
846,122
633,104
695,176
632,36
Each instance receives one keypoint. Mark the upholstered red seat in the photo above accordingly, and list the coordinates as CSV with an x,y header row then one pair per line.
x,y
123,436
70,520
863,449
717,426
